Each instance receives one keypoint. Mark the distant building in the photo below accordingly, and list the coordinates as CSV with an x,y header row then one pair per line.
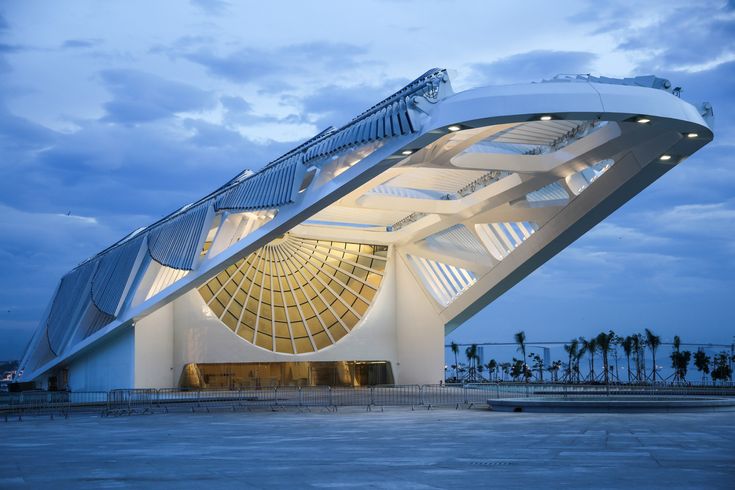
x,y
347,260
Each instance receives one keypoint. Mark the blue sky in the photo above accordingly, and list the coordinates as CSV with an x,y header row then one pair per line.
x,y
114,114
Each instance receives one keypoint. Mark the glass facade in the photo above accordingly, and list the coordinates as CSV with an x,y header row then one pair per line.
x,y
296,295
247,375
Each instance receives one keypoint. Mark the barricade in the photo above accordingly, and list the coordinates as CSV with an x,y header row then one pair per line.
x,y
258,397
217,400
395,395
121,402
350,397
450,395
138,401
315,396
87,400
51,403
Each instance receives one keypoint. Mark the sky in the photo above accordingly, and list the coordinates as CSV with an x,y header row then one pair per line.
x,y
114,114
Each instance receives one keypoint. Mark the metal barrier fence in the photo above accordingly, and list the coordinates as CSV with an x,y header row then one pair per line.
x,y
139,401
51,403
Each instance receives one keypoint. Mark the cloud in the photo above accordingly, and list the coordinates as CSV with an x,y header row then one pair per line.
x,y
51,230
710,36
241,66
293,61
533,66
236,104
627,235
81,43
212,7
683,36
17,133
336,105
703,221
38,248
239,112
141,97
106,169
11,48
212,135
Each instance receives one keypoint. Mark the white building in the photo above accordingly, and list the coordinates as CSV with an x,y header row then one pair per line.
x,y
348,260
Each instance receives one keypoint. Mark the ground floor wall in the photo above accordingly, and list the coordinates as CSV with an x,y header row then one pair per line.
x,y
107,365
420,332
154,349
401,327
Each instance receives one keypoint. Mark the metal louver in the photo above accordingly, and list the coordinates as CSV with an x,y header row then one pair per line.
x,y
112,275
73,292
269,188
176,243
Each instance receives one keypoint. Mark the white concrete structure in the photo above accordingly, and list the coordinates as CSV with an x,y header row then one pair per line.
x,y
366,243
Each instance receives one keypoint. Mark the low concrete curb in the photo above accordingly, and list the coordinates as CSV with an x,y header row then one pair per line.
x,y
612,404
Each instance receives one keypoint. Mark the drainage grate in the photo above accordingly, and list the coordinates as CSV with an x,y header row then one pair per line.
x,y
490,463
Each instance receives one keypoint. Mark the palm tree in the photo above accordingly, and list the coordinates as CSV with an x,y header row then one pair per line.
x,y
603,341
592,349
680,360
505,368
571,350
721,370
653,341
627,344
455,351
701,362
520,338
642,356
584,346
637,348
538,364
614,342
554,370
471,353
492,367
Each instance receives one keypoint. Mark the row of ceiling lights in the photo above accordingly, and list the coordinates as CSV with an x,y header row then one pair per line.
x,y
664,157
548,117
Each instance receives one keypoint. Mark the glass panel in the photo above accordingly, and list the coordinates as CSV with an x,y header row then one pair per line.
x,y
289,271
264,341
252,375
284,345
303,345
299,330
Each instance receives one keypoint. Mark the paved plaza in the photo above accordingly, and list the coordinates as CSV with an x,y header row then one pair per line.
x,y
353,448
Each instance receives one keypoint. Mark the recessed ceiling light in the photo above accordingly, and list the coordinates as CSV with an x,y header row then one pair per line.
x,y
664,158
545,118
692,135
406,152
454,128
643,120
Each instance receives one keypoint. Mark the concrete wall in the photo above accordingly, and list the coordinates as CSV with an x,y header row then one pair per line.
x,y
420,331
107,366
154,350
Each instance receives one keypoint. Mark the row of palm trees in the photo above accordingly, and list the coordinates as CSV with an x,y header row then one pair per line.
x,y
634,347
605,344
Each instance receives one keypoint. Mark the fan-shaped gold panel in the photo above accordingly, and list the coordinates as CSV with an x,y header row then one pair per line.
x,y
296,295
